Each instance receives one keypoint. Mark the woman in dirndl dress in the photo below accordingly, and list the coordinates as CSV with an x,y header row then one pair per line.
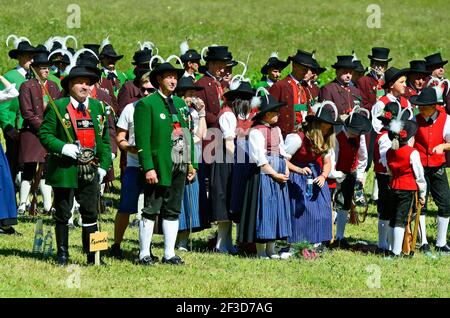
x,y
8,208
266,215
310,147
189,219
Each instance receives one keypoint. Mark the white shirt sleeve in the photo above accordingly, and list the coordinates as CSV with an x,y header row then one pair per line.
x,y
362,158
292,144
282,147
418,173
8,93
384,144
333,173
228,125
257,147
126,117
447,130
376,123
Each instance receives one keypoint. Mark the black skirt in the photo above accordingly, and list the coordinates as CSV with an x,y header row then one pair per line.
x,y
220,191
247,224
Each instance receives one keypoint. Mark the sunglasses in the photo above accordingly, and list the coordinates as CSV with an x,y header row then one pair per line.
x,y
147,90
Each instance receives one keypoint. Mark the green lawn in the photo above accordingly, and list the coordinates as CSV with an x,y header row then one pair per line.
x,y
411,29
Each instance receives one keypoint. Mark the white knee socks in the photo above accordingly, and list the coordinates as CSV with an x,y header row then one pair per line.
x,y
145,236
25,187
399,233
170,230
442,227
422,231
222,234
46,191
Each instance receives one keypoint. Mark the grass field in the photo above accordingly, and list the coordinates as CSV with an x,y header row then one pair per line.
x,y
411,29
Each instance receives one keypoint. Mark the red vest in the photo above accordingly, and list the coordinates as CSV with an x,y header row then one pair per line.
x,y
404,103
401,168
83,126
271,137
428,137
378,166
347,160
305,154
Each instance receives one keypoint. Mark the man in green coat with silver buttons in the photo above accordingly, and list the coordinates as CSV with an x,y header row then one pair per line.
x,y
75,134
165,149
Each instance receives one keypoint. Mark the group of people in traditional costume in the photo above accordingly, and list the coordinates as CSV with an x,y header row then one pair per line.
x,y
200,145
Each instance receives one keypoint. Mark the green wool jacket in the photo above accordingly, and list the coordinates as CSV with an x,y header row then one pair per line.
x,y
153,128
262,84
10,110
62,170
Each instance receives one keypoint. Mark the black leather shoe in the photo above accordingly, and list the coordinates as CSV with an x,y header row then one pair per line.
x,y
176,260
116,252
443,249
63,260
425,248
147,261
9,230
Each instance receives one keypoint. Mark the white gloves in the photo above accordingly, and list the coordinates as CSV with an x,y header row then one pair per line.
x,y
101,174
70,150
113,156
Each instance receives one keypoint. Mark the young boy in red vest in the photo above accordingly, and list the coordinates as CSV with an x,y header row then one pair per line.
x,y
351,163
395,85
407,178
382,145
432,141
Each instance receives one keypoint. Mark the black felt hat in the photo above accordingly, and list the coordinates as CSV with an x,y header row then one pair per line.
x,y
218,53
358,123
434,60
408,130
22,47
274,62
303,58
93,47
380,54
244,91
427,97
142,57
80,71
325,114
344,61
392,74
160,69
418,66
108,51
190,55
268,104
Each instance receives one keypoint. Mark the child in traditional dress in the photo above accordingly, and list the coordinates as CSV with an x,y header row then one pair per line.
x,y
311,215
266,213
407,178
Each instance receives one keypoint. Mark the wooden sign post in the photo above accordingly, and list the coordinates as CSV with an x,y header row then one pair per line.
x,y
98,241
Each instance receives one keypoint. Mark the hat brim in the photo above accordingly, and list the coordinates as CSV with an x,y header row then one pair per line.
x,y
301,63
311,118
93,78
437,63
403,72
234,94
14,53
414,71
270,108
361,130
349,66
378,59
414,100
279,65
